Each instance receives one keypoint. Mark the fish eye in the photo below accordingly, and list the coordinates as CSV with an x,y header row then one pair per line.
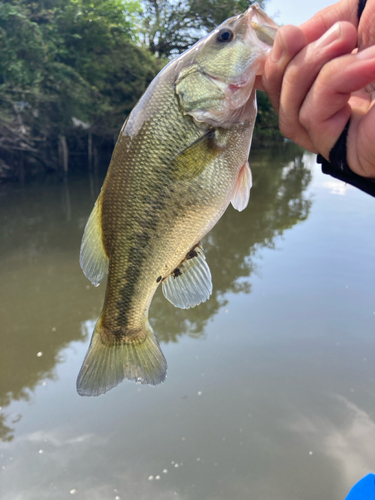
x,y
225,35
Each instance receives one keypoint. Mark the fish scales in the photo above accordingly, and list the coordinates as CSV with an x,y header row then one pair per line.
x,y
175,168
153,206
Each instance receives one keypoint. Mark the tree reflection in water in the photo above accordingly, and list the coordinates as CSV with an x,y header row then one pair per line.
x,y
44,297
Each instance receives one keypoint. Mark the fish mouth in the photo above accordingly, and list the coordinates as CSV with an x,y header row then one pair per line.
x,y
236,102
225,86
259,33
236,97
262,25
236,84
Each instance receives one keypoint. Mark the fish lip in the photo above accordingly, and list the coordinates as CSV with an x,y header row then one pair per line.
x,y
234,85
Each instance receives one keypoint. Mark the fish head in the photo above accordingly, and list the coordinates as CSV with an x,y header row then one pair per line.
x,y
216,76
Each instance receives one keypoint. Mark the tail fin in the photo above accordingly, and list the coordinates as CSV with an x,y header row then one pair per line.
x,y
108,363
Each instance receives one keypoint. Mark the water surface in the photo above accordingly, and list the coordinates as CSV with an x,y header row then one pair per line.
x,y
270,392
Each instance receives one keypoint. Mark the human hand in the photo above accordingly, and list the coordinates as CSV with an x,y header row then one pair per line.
x,y
316,83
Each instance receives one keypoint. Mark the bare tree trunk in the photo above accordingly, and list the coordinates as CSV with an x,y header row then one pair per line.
x,y
89,149
21,170
63,154
67,206
96,160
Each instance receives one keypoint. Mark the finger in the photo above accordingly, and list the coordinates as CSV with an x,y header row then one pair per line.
x,y
301,74
366,28
361,144
325,110
289,41
345,10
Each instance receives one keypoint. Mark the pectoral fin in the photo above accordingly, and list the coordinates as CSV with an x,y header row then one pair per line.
x,y
93,258
192,160
241,193
190,283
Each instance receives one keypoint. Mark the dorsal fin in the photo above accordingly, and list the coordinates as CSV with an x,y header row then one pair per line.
x,y
190,283
241,193
93,258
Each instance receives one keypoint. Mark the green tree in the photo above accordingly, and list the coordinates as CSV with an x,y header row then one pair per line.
x,y
168,27
267,123
66,59
72,70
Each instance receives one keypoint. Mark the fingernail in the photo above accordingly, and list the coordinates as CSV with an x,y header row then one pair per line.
x,y
329,36
278,49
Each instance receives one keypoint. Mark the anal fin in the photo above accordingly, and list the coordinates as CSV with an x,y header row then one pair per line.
x,y
93,259
190,283
241,193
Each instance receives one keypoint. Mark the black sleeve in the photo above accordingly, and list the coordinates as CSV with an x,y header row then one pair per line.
x,y
361,8
338,168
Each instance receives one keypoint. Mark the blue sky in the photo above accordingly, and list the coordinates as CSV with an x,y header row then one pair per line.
x,y
293,11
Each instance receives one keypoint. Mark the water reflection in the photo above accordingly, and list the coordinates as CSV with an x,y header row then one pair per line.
x,y
337,187
348,439
40,290
44,297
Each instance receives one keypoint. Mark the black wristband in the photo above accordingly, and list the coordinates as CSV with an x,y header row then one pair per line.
x,y
338,168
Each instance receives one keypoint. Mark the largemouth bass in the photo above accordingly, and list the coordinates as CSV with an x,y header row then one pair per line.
x,y
180,159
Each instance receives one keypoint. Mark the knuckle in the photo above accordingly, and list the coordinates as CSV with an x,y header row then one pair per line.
x,y
288,128
328,70
292,75
306,118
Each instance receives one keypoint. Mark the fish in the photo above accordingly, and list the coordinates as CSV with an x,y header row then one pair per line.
x,y
180,159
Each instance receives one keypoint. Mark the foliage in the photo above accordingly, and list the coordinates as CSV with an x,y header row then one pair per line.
x,y
267,124
168,27
63,59
73,68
